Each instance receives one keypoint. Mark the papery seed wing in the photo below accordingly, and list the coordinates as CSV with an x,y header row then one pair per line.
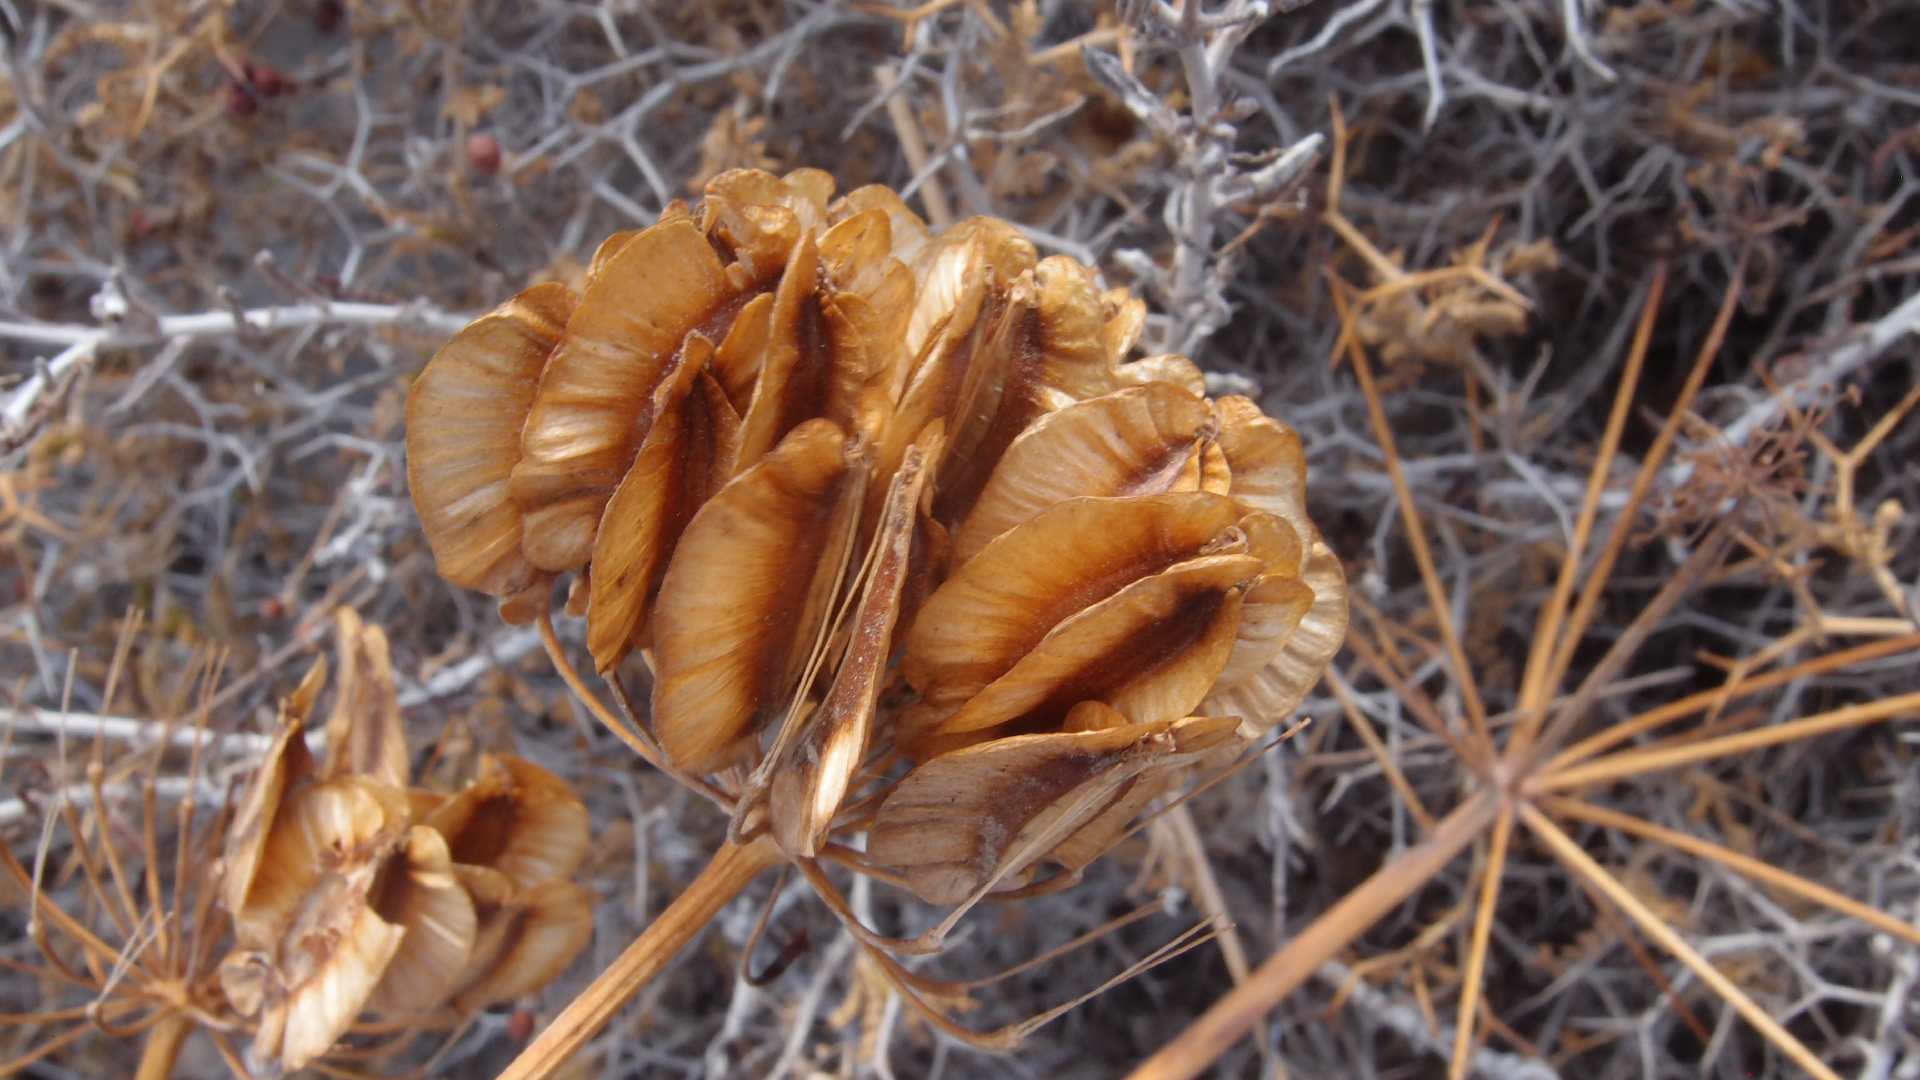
x,y
736,363
1151,651
974,252
1003,601
581,432
1269,695
811,773
688,448
551,924
319,1011
747,592
961,821
336,827
285,764
1195,738
950,820
1269,468
761,238
907,231
365,735
464,416
1131,442
1270,612
1123,319
517,818
804,192
608,248
1000,394
814,367
1170,368
1079,361
418,893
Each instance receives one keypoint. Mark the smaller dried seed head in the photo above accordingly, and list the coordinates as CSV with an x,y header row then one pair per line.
x,y
352,893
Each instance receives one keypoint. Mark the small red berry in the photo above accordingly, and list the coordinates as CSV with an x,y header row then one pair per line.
x,y
267,80
272,609
483,154
520,1025
239,100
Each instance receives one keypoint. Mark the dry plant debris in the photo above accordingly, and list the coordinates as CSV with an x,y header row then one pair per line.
x,y
336,888
902,543
231,236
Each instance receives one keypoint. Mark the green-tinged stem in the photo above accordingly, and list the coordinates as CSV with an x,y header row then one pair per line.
x,y
729,872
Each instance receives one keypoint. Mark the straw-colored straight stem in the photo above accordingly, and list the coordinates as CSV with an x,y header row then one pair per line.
x,y
1606,740
1582,864
1634,762
732,868
1395,778
1204,1040
1413,697
1422,554
1743,865
1476,971
162,1047
1534,689
1643,481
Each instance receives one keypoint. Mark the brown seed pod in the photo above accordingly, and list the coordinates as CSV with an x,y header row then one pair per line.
x,y
351,893
862,494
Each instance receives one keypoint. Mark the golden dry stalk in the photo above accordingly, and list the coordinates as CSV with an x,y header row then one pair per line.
x,y
352,893
893,525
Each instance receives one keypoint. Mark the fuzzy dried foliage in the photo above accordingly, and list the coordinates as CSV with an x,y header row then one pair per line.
x,y
234,234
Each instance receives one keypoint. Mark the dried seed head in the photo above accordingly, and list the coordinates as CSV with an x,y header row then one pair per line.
x,y
867,493
351,893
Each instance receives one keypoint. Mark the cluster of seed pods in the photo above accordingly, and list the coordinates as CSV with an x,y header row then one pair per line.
x,y
353,892
903,541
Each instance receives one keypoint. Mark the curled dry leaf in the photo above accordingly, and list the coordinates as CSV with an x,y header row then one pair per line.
x,y
906,540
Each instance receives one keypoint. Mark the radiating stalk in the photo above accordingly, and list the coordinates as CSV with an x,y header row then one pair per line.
x,y
1582,864
1189,1054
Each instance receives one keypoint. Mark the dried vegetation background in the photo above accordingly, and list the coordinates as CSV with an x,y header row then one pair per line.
x,y
231,233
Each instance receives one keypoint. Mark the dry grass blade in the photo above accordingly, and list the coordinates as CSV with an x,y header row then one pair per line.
x,y
1636,762
1230,1018
1476,967
1578,861
1744,865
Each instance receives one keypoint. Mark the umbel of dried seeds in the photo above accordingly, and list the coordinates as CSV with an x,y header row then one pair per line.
x,y
904,541
353,893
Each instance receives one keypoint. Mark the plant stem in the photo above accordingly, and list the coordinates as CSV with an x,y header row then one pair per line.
x,y
729,872
162,1049
1206,1038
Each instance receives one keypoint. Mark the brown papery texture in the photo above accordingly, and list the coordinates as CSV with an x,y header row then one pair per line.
x,y
857,496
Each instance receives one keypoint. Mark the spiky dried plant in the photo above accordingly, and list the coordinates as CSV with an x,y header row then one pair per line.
x,y
335,889
903,543
1545,768
116,897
